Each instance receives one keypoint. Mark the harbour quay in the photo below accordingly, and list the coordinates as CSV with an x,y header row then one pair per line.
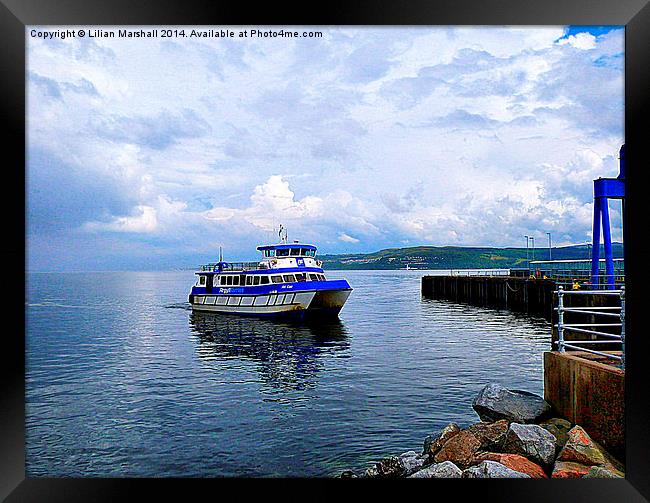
x,y
584,368
532,296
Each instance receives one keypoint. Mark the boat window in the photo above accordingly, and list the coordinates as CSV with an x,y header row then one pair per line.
x,y
201,280
235,280
300,277
264,280
215,280
256,280
276,279
282,253
269,253
228,280
222,280
313,277
295,252
289,278
322,277
249,280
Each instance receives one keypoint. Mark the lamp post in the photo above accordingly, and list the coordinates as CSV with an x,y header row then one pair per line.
x,y
527,259
532,239
550,257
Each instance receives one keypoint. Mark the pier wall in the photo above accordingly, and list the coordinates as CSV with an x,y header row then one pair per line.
x,y
590,393
532,296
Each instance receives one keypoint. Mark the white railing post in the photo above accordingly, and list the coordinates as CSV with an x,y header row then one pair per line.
x,y
560,319
622,327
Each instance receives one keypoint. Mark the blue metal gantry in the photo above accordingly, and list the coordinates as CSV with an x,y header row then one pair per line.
x,y
605,189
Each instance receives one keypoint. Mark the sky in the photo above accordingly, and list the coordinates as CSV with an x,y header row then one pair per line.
x,y
150,153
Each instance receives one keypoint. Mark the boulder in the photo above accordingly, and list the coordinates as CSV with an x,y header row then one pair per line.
x,y
397,466
495,402
460,449
372,472
348,474
492,470
531,441
491,435
390,467
560,430
600,472
444,470
580,448
412,462
433,443
569,470
514,462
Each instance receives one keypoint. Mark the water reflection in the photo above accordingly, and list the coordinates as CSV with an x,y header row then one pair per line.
x,y
289,355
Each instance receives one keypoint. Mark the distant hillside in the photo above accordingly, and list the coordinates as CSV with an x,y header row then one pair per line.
x,y
454,257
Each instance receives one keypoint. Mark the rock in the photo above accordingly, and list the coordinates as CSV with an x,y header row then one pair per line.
x,y
531,441
600,472
569,470
444,470
580,448
560,430
348,474
398,466
460,449
433,443
412,461
514,462
495,402
371,472
492,470
390,467
491,435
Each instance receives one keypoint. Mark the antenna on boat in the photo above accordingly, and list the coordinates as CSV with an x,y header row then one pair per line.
x,y
282,238
220,254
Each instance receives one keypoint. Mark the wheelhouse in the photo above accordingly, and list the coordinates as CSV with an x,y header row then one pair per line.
x,y
288,250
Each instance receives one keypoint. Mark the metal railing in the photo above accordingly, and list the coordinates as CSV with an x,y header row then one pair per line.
x,y
479,272
582,277
617,312
234,266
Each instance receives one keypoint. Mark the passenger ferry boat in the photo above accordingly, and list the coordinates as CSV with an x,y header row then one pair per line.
x,y
287,281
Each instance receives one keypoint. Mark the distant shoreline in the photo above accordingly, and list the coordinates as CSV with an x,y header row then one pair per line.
x,y
424,258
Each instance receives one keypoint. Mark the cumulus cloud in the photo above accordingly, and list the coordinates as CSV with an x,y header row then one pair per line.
x,y
143,221
582,41
348,239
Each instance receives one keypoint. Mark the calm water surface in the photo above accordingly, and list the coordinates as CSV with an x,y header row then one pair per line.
x,y
124,380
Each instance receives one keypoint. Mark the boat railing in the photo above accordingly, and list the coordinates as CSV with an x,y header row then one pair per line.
x,y
233,266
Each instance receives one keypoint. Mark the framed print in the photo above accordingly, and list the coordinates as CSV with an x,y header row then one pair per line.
x,y
371,242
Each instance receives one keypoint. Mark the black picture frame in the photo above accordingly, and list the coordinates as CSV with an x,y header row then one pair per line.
x,y
16,14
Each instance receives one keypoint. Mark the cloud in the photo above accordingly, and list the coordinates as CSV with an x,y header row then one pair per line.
x,y
56,89
583,41
348,239
156,132
144,221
